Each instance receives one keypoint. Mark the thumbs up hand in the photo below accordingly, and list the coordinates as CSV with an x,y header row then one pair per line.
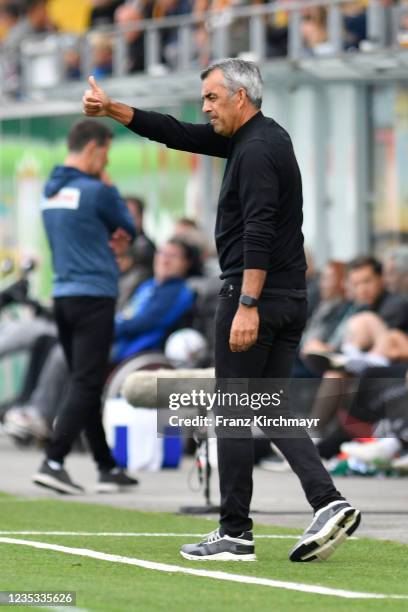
x,y
95,101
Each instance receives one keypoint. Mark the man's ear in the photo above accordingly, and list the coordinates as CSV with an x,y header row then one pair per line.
x,y
242,97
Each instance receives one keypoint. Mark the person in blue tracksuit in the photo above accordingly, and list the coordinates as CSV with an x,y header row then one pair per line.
x,y
87,225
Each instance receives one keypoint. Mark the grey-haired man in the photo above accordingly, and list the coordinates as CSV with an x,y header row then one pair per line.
x,y
262,306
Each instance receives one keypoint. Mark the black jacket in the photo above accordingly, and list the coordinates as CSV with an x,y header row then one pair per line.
x,y
259,217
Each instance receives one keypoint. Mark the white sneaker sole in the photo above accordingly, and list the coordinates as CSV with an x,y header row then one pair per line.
x,y
47,481
336,538
223,556
323,544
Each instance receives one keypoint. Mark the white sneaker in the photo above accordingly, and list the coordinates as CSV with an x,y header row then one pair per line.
x,y
218,546
330,527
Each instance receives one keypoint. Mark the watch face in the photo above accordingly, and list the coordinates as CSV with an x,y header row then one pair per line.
x,y
248,300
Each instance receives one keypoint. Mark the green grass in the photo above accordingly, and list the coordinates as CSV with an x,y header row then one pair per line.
x,y
360,565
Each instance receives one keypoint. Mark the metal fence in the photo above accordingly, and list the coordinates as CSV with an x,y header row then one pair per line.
x,y
184,43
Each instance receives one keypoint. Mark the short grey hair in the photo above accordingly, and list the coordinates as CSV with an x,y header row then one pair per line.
x,y
239,74
399,254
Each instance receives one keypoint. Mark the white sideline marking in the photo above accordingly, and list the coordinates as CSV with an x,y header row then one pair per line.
x,y
132,534
165,567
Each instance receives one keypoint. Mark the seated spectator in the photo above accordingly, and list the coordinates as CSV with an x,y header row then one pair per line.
x,y
169,36
202,53
327,315
131,276
143,246
128,15
331,306
391,309
35,21
187,230
202,32
216,14
355,24
314,30
157,304
365,283
101,49
277,33
72,64
136,265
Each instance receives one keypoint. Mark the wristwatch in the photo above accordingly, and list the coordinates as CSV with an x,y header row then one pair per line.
x,y
247,300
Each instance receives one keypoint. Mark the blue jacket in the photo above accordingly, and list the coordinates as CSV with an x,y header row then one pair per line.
x,y
80,213
152,310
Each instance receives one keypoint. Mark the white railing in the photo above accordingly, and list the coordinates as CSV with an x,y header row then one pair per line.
x,y
40,63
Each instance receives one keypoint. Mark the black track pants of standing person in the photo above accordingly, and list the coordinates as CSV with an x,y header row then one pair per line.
x,y
85,329
282,321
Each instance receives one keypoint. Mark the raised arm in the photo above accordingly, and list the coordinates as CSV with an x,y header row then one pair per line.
x,y
195,138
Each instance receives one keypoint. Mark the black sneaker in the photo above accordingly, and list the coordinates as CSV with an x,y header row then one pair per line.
x,y
219,546
331,525
56,479
114,480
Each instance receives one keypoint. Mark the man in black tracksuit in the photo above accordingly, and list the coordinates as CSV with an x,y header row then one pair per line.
x,y
262,306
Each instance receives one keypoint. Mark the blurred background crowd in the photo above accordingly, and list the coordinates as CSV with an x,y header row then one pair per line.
x,y
94,25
